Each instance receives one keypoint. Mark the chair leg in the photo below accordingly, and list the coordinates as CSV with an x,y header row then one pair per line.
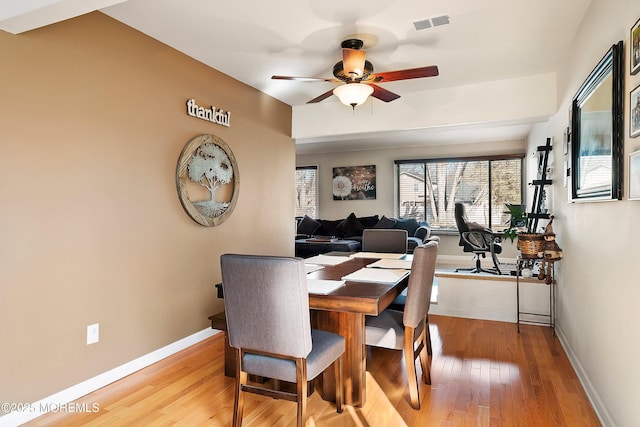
x,y
301,375
428,337
241,379
425,353
338,373
410,362
477,268
496,263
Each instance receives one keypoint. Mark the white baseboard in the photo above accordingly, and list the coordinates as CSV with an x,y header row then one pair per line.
x,y
592,394
75,392
438,310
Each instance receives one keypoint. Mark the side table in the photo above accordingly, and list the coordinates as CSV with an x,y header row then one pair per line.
x,y
545,319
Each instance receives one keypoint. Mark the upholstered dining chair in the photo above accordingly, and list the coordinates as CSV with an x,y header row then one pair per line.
x,y
268,321
384,240
408,330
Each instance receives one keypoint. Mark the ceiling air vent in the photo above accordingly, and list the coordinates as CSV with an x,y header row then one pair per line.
x,y
431,22
440,20
422,25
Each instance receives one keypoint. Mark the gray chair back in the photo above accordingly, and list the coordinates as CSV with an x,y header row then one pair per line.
x,y
267,304
384,240
420,284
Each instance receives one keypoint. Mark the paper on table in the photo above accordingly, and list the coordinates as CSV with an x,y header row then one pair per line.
x,y
391,263
377,275
380,255
310,268
323,287
326,260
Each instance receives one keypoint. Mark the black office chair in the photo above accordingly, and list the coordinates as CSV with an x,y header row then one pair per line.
x,y
477,239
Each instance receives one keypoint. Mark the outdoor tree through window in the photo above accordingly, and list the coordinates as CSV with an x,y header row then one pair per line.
x,y
429,189
306,191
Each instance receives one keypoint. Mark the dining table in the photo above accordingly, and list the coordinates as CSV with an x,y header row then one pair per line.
x,y
343,311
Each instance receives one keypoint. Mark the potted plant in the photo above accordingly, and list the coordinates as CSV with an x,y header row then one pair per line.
x,y
518,225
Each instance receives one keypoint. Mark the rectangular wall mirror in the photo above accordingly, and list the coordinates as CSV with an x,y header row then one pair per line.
x,y
597,131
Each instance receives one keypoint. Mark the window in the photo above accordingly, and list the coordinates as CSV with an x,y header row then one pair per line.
x,y
428,189
307,191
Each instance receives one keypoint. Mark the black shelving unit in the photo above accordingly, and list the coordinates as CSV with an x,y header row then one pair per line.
x,y
538,194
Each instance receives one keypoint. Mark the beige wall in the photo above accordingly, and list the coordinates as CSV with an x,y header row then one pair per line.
x,y
385,179
599,286
93,120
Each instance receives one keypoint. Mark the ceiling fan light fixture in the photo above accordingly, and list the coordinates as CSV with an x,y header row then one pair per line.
x,y
353,94
353,62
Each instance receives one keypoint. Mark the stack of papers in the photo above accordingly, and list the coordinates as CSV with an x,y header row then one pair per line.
x,y
380,255
310,268
391,263
323,287
326,260
377,275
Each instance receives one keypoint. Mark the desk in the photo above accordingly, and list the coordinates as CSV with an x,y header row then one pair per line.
x,y
343,312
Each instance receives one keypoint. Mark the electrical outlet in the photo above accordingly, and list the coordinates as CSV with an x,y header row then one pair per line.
x,y
93,333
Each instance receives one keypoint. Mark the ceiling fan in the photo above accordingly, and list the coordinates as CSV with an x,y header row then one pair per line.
x,y
357,75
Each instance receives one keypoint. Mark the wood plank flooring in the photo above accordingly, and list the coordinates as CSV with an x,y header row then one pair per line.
x,y
484,373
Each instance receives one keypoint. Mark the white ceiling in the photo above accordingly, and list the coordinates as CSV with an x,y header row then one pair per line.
x,y
486,40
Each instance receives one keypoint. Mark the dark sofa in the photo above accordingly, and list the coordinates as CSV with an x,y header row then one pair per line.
x,y
350,229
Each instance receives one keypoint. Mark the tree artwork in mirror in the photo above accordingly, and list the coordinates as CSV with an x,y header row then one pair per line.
x,y
597,128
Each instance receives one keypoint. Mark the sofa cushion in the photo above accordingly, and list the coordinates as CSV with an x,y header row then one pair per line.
x,y
409,224
308,226
385,222
329,228
350,226
368,221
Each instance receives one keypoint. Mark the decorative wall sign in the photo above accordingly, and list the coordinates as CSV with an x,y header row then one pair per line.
x,y
210,114
207,180
354,183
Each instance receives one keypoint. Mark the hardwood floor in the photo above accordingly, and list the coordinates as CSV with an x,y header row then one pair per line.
x,y
483,373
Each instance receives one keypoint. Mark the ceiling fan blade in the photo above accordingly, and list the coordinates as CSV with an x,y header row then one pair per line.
x,y
412,73
353,62
321,97
383,94
306,79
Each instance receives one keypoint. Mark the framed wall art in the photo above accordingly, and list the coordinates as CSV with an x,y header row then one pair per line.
x,y
634,176
597,131
634,112
354,183
634,48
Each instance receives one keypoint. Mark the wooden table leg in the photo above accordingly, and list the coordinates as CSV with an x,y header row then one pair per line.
x,y
351,327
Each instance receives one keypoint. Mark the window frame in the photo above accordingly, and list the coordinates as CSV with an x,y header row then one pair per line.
x,y
486,158
317,189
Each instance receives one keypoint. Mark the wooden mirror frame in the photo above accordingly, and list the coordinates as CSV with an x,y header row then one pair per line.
x,y
612,64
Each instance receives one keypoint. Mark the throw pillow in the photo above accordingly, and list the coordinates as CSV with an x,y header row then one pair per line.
x,y
308,226
350,226
329,227
385,222
368,221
